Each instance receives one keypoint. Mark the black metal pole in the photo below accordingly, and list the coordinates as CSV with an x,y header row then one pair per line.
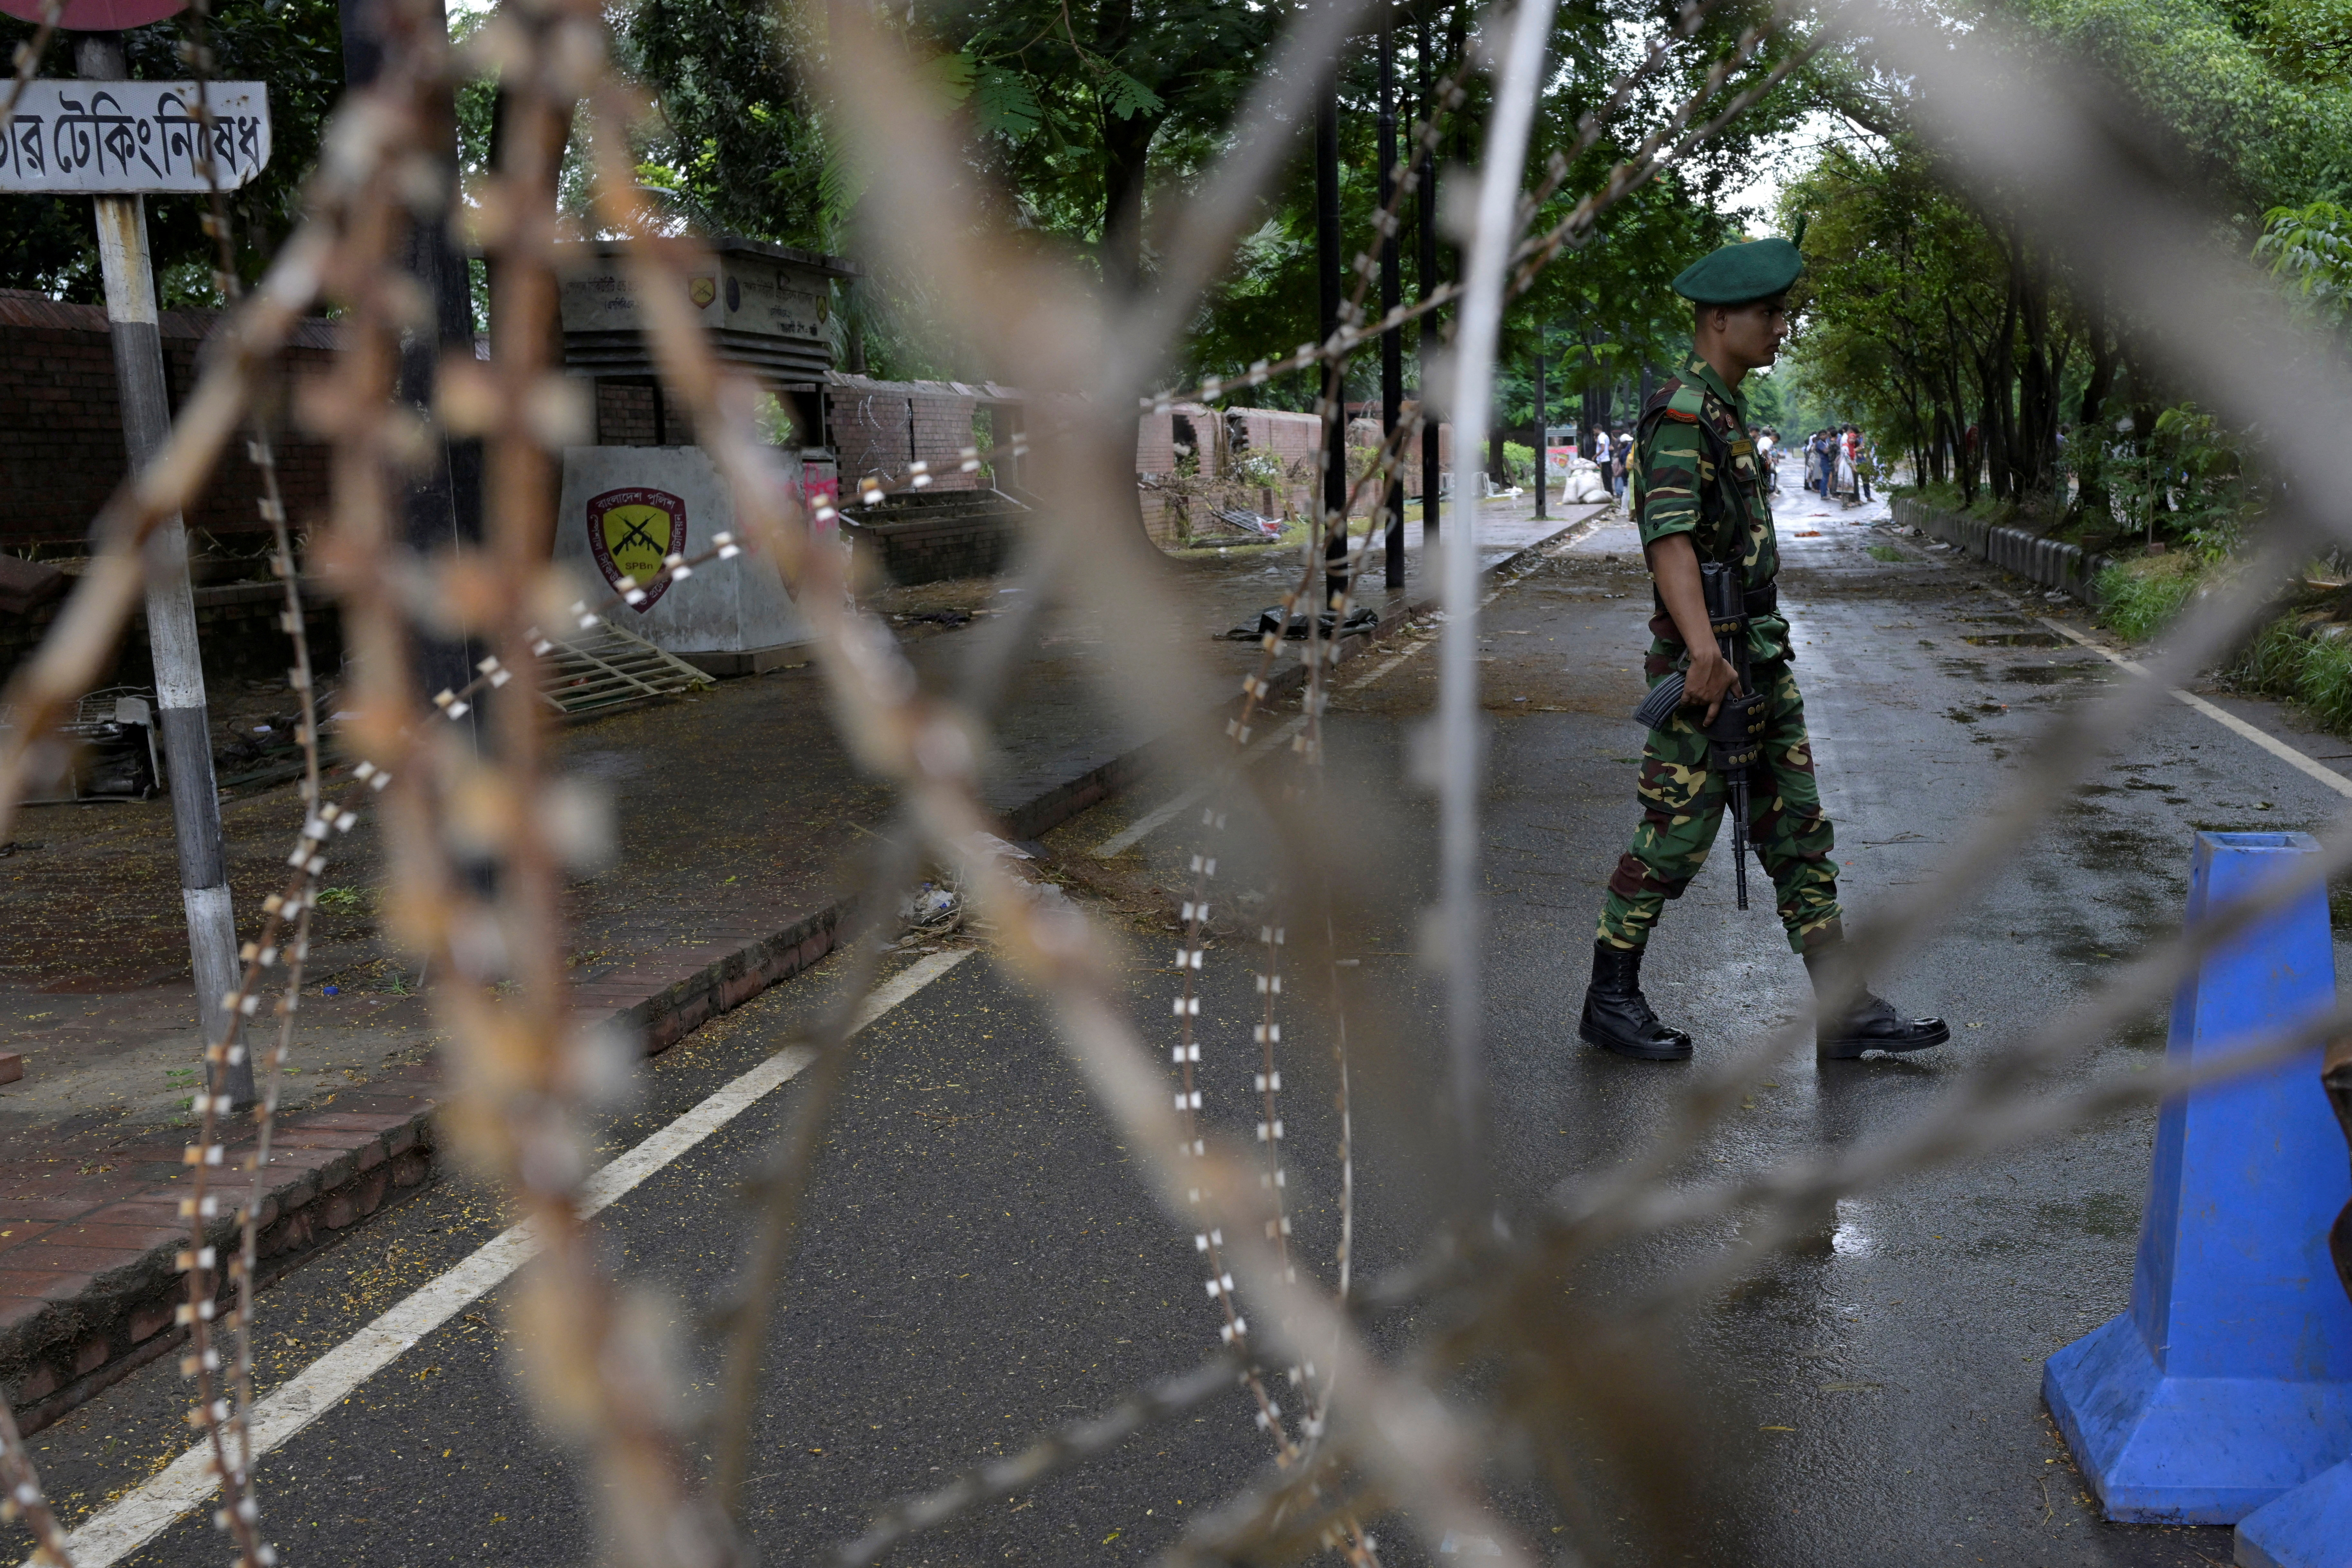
x,y
1543,446
1432,461
442,510
1335,405
1391,295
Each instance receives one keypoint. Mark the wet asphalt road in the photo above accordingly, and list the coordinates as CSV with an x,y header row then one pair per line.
x,y
982,1259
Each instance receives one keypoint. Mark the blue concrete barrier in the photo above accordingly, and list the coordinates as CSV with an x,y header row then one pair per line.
x,y
2229,1381
2310,1527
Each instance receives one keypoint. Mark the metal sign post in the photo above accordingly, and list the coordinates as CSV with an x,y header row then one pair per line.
x,y
121,141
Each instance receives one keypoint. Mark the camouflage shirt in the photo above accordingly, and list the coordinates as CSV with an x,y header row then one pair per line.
x,y
1675,490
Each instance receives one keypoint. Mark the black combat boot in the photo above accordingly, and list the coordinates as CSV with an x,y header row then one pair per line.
x,y
1870,1023
1617,1016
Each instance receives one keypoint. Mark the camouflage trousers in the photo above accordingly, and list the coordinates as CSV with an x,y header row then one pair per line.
x,y
1682,808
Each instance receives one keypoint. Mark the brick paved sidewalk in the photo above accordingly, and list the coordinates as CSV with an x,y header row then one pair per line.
x,y
739,815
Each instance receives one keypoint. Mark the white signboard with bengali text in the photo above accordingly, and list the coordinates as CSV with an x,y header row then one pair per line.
x,y
127,138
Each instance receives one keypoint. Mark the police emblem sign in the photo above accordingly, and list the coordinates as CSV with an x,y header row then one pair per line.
x,y
631,532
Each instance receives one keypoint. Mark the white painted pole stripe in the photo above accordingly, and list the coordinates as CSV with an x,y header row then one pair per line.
x,y
187,1484
2221,716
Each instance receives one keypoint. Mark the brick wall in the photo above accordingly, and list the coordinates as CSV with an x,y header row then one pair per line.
x,y
238,636
1223,441
884,426
61,425
625,417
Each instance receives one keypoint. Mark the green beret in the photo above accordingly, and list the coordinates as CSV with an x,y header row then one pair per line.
x,y
1739,273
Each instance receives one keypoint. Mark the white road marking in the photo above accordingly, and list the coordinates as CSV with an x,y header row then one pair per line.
x,y
187,1484
2228,720
1154,821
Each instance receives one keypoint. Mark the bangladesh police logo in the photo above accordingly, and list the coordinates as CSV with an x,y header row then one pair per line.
x,y
631,532
702,290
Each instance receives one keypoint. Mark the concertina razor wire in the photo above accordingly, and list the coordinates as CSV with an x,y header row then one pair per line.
x,y
1373,1433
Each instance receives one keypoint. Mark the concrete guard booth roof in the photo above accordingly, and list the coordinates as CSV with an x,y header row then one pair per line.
x,y
624,507
765,307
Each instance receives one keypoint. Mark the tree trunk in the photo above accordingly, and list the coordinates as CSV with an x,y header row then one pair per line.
x,y
1126,150
2092,498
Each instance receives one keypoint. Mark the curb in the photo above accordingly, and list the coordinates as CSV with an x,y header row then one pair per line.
x,y
335,1169
2052,562
59,1351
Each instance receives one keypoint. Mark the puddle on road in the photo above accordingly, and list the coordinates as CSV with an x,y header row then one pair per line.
x,y
2055,674
2111,1217
2013,639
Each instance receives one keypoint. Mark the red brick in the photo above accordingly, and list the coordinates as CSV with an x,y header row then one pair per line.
x,y
348,1121
116,1237
367,1194
409,1168
144,1214
336,1138
78,1260
15,1233
39,1385
337,1211
91,1355
148,1321
42,1286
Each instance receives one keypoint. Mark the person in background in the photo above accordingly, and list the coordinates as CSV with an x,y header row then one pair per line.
x,y
1767,455
1622,462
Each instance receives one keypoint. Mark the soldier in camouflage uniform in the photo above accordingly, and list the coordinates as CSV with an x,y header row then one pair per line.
x,y
1699,494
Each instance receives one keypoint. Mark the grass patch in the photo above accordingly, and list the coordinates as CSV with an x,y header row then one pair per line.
x,y
1887,553
2138,598
2308,659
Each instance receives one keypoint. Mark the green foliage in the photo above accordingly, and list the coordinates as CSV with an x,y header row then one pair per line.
x,y
1069,105
2138,598
1520,462
2306,659
1905,292
2258,97
2306,40
2184,481
1885,553
2311,247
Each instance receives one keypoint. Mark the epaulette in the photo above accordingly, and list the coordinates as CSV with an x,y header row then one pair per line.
x,y
1686,403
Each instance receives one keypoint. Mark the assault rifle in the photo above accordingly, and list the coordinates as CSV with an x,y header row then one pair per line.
x,y
1735,742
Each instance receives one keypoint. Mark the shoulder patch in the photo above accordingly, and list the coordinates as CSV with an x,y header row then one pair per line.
x,y
1673,413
